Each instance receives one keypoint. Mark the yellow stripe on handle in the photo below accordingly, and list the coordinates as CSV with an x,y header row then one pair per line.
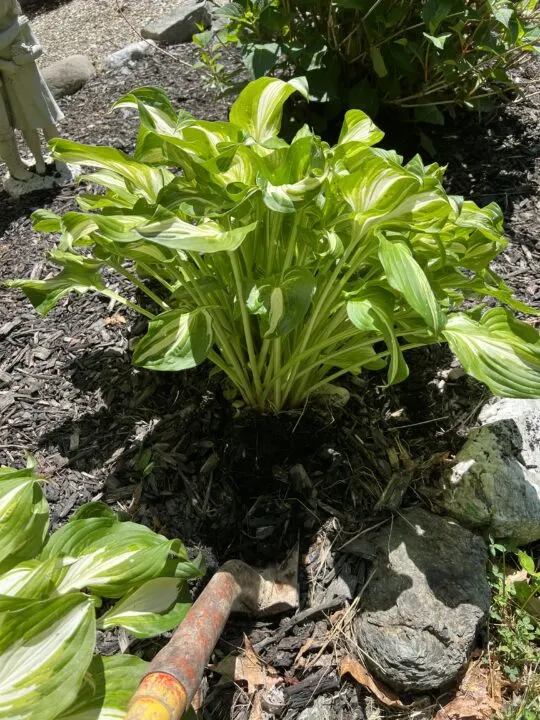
x,y
159,697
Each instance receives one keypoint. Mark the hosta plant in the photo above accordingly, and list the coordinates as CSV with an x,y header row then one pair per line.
x,y
95,572
286,265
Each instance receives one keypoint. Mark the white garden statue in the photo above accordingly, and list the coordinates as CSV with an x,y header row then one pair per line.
x,y
26,103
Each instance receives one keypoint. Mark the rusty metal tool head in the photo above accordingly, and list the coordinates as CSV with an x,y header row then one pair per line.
x,y
175,673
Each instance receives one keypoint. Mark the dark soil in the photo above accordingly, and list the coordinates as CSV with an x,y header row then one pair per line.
x,y
171,450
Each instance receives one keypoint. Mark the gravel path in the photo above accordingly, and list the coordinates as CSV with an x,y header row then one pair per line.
x,y
92,27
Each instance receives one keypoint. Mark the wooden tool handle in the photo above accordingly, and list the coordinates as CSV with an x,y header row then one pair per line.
x,y
175,673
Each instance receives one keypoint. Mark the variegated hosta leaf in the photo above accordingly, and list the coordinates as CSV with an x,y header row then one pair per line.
x,y
32,580
24,517
498,350
110,557
378,185
80,275
282,304
373,312
259,107
146,181
45,650
206,237
107,688
359,128
155,110
406,276
46,221
175,340
151,609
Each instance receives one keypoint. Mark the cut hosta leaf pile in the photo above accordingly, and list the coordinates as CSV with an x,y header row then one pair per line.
x,y
51,592
287,265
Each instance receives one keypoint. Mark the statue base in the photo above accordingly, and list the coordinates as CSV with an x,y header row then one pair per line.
x,y
58,175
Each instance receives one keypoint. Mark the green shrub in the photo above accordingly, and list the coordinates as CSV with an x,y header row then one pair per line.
x,y
51,590
287,266
427,56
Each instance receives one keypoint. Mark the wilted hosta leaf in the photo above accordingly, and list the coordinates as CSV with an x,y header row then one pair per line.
x,y
175,340
24,517
499,351
107,688
151,609
75,277
111,557
282,306
45,650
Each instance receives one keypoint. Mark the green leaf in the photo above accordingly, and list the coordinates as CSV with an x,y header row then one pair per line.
x,y
146,179
45,650
107,688
434,12
31,580
438,40
359,128
155,110
24,517
282,304
46,221
175,340
110,557
527,563
77,276
373,312
405,275
153,608
499,351
260,58
377,185
259,107
206,237
378,62
429,114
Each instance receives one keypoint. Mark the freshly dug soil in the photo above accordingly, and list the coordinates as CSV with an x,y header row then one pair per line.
x,y
171,450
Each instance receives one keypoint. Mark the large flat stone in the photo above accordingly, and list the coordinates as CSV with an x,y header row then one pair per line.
x,y
179,25
495,483
426,602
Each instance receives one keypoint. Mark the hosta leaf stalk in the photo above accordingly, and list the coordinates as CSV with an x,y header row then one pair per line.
x,y
287,265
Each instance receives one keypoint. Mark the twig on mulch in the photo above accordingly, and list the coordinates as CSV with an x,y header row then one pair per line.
x,y
308,614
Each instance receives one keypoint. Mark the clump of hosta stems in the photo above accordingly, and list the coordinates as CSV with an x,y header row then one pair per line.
x,y
287,265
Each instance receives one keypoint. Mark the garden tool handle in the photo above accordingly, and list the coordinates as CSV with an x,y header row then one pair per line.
x,y
175,673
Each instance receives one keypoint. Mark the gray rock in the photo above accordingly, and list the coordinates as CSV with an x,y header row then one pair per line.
x,y
179,25
426,601
131,53
69,75
495,484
